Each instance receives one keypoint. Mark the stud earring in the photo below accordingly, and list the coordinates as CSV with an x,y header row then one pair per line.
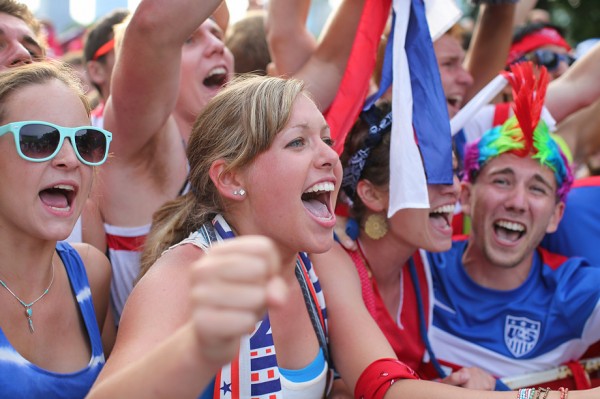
x,y
241,192
376,226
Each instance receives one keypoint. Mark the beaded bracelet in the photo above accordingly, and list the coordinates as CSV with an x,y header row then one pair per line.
x,y
564,392
545,391
532,393
526,393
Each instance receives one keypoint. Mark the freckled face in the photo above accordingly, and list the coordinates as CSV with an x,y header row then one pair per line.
x,y
291,187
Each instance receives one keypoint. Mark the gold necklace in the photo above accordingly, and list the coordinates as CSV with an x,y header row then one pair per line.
x,y
27,306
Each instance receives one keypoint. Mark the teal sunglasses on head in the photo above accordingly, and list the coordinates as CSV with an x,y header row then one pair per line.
x,y
38,141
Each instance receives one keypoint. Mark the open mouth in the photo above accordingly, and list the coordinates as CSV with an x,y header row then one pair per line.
x,y
316,200
59,197
442,216
509,231
216,78
454,101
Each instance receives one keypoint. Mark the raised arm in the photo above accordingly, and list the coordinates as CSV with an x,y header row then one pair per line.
x,y
577,88
145,80
221,16
322,69
581,132
522,11
290,43
489,46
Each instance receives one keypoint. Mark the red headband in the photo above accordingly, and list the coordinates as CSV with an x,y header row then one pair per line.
x,y
104,49
543,37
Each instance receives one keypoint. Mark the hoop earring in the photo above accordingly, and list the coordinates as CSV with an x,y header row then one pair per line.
x,y
241,192
376,226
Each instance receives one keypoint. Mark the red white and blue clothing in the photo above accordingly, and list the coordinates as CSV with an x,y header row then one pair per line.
x,y
402,330
255,373
125,245
124,251
19,378
578,233
551,319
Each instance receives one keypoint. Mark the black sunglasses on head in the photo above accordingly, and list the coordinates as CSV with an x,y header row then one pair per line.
x,y
548,58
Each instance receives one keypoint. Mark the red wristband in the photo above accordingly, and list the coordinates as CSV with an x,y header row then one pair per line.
x,y
379,376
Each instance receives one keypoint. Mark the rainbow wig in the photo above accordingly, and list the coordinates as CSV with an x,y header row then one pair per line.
x,y
523,134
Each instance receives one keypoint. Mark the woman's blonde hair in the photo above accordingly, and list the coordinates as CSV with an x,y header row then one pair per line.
x,y
236,126
14,79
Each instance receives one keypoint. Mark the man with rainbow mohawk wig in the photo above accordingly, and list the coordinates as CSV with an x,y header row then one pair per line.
x,y
524,134
502,303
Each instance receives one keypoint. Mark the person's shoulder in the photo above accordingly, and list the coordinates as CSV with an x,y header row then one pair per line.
x,y
172,260
555,260
589,181
89,254
564,270
572,279
97,265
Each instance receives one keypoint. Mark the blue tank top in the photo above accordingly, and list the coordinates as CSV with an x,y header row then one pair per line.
x,y
19,378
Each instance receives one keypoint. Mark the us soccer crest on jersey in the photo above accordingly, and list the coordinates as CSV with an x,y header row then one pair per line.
x,y
521,335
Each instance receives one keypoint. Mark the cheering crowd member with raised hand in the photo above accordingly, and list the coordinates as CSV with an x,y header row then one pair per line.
x,y
171,61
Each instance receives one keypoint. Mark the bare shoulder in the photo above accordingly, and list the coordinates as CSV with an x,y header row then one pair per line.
x,y
166,285
96,263
175,261
158,305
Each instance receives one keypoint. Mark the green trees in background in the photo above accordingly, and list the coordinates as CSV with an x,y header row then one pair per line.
x,y
579,18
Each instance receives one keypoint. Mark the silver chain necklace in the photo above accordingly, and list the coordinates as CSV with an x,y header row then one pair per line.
x,y
27,306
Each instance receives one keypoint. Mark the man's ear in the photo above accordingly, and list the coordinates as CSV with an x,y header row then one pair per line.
x,y
226,181
559,211
465,197
374,198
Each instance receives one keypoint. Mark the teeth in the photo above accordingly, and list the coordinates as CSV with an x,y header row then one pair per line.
x,y
64,187
327,186
456,99
217,71
511,226
61,209
444,209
